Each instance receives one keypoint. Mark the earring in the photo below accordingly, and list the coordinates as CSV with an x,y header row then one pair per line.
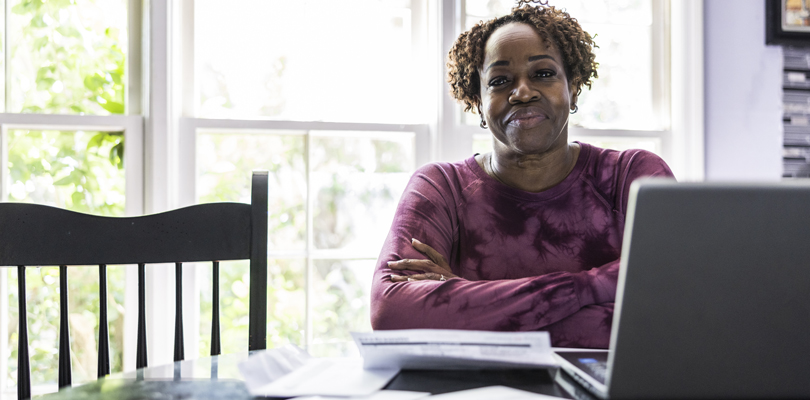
x,y
483,123
574,111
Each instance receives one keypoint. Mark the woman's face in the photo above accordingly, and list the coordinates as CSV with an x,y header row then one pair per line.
x,y
525,95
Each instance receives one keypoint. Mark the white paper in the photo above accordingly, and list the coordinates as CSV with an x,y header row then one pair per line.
x,y
381,395
454,349
328,377
492,392
267,366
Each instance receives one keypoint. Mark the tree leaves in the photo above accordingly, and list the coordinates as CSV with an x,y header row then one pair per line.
x,y
117,155
79,64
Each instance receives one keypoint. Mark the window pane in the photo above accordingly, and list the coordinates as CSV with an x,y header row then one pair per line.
x,y
318,60
80,171
2,56
225,163
340,305
285,304
622,96
68,57
482,143
356,183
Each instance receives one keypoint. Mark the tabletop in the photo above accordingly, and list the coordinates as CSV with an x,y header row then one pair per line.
x,y
217,377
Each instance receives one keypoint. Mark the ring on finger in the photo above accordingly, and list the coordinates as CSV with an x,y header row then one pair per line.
x,y
442,279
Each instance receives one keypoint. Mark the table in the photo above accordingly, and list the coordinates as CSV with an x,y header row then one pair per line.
x,y
217,377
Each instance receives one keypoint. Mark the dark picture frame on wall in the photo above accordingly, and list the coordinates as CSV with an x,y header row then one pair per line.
x,y
787,22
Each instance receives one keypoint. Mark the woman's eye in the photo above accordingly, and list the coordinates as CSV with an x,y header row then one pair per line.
x,y
545,73
497,81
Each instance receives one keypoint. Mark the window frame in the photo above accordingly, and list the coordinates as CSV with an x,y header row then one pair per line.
x,y
161,127
191,127
131,123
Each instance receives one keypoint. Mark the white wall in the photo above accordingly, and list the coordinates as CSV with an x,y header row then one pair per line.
x,y
743,93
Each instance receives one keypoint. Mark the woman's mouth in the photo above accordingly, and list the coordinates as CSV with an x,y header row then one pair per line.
x,y
527,118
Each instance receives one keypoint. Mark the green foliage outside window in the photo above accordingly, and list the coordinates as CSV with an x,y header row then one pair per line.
x,y
67,57
354,181
225,164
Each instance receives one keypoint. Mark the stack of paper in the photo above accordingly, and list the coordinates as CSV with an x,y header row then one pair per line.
x,y
290,371
454,349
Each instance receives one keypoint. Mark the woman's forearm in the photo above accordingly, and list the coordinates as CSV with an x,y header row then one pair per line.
x,y
504,305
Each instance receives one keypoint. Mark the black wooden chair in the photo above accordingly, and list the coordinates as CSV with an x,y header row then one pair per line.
x,y
37,235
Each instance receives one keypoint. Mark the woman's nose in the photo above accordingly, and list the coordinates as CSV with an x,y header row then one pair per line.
x,y
523,92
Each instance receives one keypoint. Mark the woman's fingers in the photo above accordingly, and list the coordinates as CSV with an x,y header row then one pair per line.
x,y
430,276
434,255
413,264
426,266
436,268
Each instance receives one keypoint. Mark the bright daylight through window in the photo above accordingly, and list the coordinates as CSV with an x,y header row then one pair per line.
x,y
339,100
63,57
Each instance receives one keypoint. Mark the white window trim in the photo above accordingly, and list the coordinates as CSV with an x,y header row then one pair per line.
x,y
687,158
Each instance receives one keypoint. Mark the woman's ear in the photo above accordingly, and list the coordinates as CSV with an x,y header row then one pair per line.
x,y
574,97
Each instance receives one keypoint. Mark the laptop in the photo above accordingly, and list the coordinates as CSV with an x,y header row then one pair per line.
x,y
713,296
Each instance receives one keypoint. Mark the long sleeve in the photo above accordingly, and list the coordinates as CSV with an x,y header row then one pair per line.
x,y
427,212
544,261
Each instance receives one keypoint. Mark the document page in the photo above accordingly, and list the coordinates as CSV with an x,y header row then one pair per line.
x,y
454,349
328,376
290,371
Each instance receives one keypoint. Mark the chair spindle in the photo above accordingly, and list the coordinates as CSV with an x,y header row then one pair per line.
x,y
103,326
140,361
215,341
23,363
257,323
65,375
178,312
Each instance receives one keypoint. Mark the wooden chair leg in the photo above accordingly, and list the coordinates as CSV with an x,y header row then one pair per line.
x,y
23,362
178,313
140,361
65,376
103,326
215,341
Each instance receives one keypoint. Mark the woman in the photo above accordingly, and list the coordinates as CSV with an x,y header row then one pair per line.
x,y
532,231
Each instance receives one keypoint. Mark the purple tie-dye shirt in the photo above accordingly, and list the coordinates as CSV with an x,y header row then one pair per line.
x,y
529,261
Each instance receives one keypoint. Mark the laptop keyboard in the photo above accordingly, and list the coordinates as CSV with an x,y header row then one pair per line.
x,y
595,368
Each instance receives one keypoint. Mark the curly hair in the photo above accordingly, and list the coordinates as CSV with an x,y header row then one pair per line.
x,y
555,25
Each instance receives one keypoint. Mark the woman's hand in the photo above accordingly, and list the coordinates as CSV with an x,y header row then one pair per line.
x,y
435,269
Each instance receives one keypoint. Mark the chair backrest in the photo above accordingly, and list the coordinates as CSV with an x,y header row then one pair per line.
x,y
37,235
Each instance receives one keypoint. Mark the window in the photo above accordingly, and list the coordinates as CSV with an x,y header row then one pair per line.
x,y
335,116
332,198
64,141
339,100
